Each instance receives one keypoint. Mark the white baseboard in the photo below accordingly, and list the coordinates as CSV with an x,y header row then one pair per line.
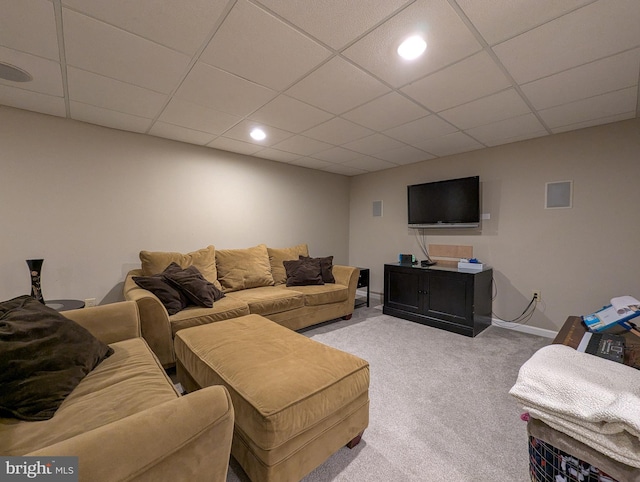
x,y
532,330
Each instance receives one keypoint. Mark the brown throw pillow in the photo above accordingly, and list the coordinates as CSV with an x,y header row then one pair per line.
x,y
174,300
303,272
197,289
326,266
44,357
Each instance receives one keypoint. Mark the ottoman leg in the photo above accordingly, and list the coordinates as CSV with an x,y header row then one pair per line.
x,y
355,440
347,317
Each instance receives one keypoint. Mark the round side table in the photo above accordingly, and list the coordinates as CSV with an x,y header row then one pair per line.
x,y
64,305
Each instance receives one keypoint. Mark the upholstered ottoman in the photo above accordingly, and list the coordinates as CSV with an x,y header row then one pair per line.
x,y
296,401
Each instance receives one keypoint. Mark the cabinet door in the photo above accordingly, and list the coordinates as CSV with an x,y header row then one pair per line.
x,y
450,297
402,289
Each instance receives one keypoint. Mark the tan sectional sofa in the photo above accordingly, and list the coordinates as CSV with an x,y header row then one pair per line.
x,y
125,420
253,281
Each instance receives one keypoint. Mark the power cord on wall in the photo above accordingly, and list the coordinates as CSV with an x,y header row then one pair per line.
x,y
526,314
422,242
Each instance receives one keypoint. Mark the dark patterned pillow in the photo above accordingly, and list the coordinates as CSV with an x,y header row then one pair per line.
x,y
303,272
44,356
326,266
197,289
174,300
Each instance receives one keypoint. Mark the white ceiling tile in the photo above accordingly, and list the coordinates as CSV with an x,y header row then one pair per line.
x,y
33,101
448,40
222,91
108,118
311,163
512,128
372,144
336,154
98,47
276,155
421,129
334,22
595,122
290,114
301,145
47,77
268,51
450,144
605,105
342,169
404,155
338,131
337,86
94,89
177,133
29,26
606,75
183,26
198,117
502,105
242,130
233,145
462,82
370,164
603,28
499,20
396,110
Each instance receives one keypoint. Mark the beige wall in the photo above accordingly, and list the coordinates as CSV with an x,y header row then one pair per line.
x,y
579,258
87,199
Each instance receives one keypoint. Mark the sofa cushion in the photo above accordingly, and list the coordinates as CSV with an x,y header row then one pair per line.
x,y
172,298
223,309
44,357
240,269
278,255
268,300
315,295
154,262
129,381
198,290
302,272
326,267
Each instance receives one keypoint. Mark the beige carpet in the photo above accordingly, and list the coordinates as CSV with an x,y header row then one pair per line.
x,y
440,409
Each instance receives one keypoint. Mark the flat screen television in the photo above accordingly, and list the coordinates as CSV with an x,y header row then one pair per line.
x,y
453,203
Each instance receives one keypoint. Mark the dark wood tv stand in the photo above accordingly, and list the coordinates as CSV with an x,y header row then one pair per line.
x,y
439,296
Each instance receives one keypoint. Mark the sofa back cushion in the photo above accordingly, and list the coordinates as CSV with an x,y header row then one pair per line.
x,y
277,256
239,269
155,262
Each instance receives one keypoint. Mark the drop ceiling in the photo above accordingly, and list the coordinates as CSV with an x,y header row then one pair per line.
x,y
322,77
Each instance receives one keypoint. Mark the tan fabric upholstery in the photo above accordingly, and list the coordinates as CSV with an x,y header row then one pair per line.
x,y
111,420
223,309
268,300
288,391
278,255
154,262
239,269
315,295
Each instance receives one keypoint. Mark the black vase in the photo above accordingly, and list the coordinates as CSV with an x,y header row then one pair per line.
x,y
35,267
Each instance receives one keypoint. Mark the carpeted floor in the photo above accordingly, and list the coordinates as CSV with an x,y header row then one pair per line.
x,y
440,408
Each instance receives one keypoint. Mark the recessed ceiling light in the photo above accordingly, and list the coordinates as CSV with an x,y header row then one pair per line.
x,y
412,48
258,134
13,73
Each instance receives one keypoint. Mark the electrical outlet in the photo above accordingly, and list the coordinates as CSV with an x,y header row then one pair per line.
x,y
89,302
537,295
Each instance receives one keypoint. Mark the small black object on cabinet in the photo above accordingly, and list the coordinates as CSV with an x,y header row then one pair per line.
x,y
439,296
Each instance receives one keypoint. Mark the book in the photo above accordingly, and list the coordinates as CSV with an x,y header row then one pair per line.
x,y
604,345
608,318
625,304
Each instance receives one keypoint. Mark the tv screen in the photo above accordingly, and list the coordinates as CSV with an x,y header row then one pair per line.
x,y
452,203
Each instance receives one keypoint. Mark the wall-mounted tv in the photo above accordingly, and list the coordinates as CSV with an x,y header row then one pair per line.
x,y
453,203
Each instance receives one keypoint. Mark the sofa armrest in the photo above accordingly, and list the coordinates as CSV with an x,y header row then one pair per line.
x,y
154,319
188,438
348,276
109,323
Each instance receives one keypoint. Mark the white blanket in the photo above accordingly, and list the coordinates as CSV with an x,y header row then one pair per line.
x,y
591,399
